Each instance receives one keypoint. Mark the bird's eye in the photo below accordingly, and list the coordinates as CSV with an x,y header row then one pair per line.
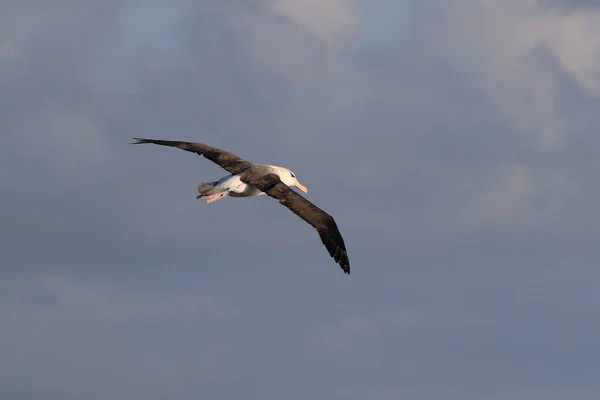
x,y
292,174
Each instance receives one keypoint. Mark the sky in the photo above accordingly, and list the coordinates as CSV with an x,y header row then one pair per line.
x,y
454,141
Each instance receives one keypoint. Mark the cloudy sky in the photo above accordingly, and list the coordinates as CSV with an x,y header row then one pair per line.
x,y
455,142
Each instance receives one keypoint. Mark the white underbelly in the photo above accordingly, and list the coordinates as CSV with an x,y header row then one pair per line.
x,y
246,190
237,188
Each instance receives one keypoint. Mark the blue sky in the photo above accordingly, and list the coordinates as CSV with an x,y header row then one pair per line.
x,y
386,23
150,24
459,159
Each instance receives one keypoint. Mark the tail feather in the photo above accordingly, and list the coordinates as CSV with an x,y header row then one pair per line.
x,y
208,188
210,192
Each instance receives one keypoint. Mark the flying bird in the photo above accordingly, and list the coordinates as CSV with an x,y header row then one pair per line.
x,y
246,179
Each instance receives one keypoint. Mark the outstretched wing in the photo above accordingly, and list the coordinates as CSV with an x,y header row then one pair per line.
x,y
228,161
319,219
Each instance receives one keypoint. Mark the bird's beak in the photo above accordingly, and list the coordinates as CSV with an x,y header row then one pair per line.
x,y
301,187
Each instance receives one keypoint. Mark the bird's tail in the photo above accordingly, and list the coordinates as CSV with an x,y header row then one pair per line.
x,y
209,191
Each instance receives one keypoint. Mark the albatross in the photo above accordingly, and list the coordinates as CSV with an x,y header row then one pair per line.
x,y
247,179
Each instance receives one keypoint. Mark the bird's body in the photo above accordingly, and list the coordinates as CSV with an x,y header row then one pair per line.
x,y
246,179
232,185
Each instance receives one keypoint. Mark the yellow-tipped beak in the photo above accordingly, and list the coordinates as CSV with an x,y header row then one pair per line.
x,y
301,187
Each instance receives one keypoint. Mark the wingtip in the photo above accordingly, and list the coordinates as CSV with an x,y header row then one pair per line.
x,y
344,262
138,141
346,266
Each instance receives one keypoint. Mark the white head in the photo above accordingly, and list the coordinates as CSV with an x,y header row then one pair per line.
x,y
289,178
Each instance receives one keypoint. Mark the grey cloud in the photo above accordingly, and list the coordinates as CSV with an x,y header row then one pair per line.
x,y
570,4
512,336
473,254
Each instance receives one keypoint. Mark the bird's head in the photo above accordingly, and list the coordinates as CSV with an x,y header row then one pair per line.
x,y
289,178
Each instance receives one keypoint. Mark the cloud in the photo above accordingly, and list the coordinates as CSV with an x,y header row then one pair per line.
x,y
256,85
537,65
62,326
332,21
576,44
66,142
507,58
7,49
524,199
344,335
52,299
473,250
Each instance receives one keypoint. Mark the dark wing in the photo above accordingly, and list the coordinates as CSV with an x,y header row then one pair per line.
x,y
319,219
229,162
